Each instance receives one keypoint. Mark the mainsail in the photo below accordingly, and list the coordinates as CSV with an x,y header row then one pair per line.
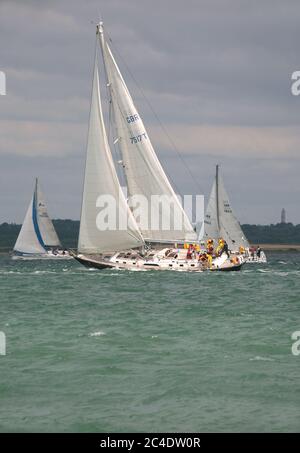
x,y
220,220
144,173
37,232
101,180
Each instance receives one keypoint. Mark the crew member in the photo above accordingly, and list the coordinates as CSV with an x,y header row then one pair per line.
x,y
258,251
189,252
223,248
210,246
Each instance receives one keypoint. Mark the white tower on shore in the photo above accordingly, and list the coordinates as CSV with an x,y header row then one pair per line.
x,y
283,216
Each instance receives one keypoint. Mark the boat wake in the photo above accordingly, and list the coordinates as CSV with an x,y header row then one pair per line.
x,y
262,359
100,333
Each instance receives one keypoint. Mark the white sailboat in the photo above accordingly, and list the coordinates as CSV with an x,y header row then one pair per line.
x,y
37,237
139,245
221,222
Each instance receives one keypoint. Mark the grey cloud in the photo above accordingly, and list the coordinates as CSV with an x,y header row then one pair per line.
x,y
224,65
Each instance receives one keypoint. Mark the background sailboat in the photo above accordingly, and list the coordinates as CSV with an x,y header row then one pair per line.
x,y
220,220
37,237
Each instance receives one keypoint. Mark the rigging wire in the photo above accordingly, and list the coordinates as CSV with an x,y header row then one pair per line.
x,y
116,151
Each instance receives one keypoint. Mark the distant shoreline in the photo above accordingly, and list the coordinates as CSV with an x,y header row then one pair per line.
x,y
266,247
271,237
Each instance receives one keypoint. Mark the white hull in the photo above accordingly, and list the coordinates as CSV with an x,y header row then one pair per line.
x,y
156,261
255,259
44,256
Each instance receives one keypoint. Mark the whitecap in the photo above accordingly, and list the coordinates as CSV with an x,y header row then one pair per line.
x,y
264,359
138,270
97,334
43,272
10,272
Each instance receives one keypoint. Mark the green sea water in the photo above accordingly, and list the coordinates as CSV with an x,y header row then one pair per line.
x,y
119,351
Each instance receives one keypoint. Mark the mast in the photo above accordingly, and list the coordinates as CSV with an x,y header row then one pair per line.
x,y
113,123
217,197
116,137
35,196
35,216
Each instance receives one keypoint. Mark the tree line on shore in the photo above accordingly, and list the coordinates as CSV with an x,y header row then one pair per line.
x,y
67,230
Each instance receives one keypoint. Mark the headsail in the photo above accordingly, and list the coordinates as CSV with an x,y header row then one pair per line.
x,y
37,230
220,220
101,180
144,173
47,231
28,241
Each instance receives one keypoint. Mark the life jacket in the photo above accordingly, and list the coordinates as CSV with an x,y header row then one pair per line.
x,y
235,260
219,249
203,257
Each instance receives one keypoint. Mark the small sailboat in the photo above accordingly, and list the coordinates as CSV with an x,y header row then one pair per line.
x,y
37,237
221,222
138,245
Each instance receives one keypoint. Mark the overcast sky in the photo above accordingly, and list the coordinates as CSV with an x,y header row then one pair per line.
x,y
216,72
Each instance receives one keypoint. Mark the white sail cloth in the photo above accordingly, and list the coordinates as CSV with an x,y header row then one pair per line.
x,y
102,190
37,231
47,231
211,226
27,241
